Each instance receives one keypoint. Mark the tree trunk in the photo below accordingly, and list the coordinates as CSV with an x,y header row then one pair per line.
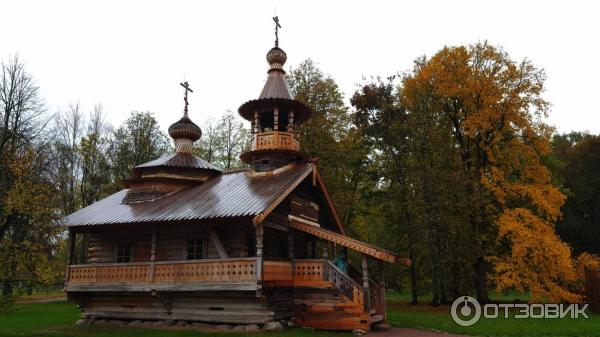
x,y
7,288
481,270
413,281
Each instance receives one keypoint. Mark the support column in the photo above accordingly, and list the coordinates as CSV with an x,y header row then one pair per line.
x,y
256,122
382,304
71,253
276,118
153,254
259,257
365,272
290,126
290,236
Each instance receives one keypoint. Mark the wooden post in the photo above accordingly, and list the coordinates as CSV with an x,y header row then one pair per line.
x,y
290,236
382,304
256,122
153,253
276,118
290,126
259,257
365,272
71,253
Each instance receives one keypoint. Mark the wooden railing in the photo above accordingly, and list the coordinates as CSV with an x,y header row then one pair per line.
x,y
309,270
344,283
275,140
277,271
164,272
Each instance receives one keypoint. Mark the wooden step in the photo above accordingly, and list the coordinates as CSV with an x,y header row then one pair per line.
x,y
376,319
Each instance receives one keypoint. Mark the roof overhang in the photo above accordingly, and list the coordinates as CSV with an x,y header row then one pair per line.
x,y
313,228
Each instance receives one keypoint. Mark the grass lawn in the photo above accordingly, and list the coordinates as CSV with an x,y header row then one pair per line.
x,y
57,320
424,316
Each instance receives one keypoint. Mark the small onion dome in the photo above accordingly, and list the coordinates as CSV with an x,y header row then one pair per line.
x,y
185,128
276,58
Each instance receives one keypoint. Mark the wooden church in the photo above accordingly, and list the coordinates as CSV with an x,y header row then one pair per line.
x,y
186,241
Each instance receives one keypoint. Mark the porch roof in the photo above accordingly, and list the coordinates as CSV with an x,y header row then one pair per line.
x,y
313,228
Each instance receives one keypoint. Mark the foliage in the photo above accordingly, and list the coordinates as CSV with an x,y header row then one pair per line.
x,y
137,141
223,143
575,164
494,107
328,135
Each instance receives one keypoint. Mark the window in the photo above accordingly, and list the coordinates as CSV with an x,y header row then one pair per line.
x,y
195,249
124,252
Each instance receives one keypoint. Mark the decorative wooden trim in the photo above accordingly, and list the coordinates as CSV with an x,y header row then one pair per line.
x,y
167,272
314,229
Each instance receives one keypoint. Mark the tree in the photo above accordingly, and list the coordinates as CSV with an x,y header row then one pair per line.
x,y
576,163
231,140
27,207
327,135
67,164
206,147
495,108
95,170
137,141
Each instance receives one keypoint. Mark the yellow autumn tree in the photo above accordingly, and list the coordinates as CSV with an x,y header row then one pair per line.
x,y
495,109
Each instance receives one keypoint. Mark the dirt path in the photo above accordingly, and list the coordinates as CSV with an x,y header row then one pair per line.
x,y
42,299
408,332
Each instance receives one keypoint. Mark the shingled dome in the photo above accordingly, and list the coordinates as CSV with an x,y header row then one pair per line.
x,y
185,128
275,90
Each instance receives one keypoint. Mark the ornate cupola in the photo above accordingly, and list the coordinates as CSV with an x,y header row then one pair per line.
x,y
274,117
173,172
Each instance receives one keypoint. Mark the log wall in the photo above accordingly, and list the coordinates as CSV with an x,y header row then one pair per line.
x,y
209,307
171,242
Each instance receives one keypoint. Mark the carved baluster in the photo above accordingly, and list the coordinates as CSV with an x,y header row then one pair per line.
x,y
259,257
276,118
365,272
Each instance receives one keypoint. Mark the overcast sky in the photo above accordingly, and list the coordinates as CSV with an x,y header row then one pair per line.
x,y
131,55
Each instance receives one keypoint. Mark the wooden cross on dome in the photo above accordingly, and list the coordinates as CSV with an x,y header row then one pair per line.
x,y
277,26
186,85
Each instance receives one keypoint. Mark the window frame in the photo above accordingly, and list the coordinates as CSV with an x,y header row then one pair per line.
x,y
131,251
202,251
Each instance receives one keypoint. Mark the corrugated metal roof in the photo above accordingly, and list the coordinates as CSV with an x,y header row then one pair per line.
x,y
180,160
232,194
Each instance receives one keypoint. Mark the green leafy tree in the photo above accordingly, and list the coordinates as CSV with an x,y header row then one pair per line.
x,y
576,158
328,135
137,141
